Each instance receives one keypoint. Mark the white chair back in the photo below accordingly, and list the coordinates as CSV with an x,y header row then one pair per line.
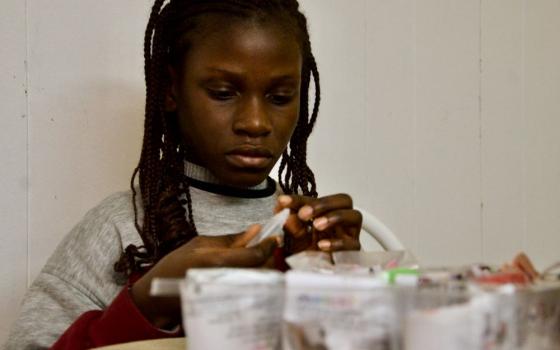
x,y
381,233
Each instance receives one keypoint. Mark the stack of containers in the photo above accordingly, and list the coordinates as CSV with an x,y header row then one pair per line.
x,y
367,307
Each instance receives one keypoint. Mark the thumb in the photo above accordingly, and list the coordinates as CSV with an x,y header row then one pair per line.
x,y
249,257
243,238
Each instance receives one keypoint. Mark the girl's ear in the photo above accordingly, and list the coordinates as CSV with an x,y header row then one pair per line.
x,y
170,95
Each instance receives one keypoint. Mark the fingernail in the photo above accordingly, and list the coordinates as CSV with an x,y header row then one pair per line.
x,y
284,200
305,213
320,223
324,244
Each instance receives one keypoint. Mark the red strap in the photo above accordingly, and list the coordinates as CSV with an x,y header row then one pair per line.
x,y
121,322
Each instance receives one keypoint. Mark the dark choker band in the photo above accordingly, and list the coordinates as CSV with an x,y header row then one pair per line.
x,y
234,191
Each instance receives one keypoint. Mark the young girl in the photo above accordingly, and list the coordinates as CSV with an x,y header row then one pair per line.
x,y
227,96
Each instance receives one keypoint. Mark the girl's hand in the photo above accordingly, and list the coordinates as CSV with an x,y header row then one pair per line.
x,y
327,223
201,251
522,263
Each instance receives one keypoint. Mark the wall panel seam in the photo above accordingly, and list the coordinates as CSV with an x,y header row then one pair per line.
x,y
524,119
415,124
27,148
480,131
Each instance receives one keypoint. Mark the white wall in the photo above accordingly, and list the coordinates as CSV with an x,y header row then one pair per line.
x,y
440,117
77,136
13,170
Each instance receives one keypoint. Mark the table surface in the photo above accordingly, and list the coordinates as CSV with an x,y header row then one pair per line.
x,y
158,344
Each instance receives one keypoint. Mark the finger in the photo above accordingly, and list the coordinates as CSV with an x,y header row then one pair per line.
x,y
293,201
248,257
523,262
324,205
528,271
310,208
338,244
242,239
527,264
296,203
329,245
348,218
295,227
340,240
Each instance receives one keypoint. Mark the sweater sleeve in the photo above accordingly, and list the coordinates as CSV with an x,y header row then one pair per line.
x,y
78,281
121,322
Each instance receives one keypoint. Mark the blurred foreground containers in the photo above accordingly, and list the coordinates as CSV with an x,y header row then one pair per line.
x,y
366,309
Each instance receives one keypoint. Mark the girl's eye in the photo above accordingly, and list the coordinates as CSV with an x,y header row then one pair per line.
x,y
221,95
280,100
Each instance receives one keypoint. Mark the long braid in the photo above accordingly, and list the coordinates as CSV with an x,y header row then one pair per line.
x,y
167,220
298,177
132,257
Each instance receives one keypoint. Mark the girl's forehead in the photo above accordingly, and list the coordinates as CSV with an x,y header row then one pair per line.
x,y
244,40
219,27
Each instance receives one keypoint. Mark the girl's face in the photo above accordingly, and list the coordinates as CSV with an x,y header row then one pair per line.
x,y
237,98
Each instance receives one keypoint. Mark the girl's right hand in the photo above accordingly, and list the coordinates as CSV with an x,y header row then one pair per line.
x,y
201,251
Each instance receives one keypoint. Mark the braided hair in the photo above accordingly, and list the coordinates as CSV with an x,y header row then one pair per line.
x,y
164,190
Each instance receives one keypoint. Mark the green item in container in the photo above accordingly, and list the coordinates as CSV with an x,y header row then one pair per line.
x,y
401,274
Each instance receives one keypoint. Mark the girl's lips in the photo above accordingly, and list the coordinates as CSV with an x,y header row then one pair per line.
x,y
240,160
249,156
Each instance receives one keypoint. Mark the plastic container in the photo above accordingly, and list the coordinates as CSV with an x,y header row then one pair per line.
x,y
236,309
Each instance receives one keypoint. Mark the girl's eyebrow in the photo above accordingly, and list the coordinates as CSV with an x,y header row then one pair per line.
x,y
224,71
217,74
286,79
238,75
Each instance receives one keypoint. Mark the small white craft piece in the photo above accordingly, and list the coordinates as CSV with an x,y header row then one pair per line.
x,y
272,228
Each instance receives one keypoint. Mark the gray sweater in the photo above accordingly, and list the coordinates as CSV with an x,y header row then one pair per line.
x,y
79,275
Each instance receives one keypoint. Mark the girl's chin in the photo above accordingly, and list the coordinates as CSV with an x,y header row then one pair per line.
x,y
245,179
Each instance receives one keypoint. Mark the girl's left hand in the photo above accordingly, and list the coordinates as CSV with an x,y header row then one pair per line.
x,y
328,223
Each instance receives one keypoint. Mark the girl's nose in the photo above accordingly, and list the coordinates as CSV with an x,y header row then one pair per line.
x,y
252,119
